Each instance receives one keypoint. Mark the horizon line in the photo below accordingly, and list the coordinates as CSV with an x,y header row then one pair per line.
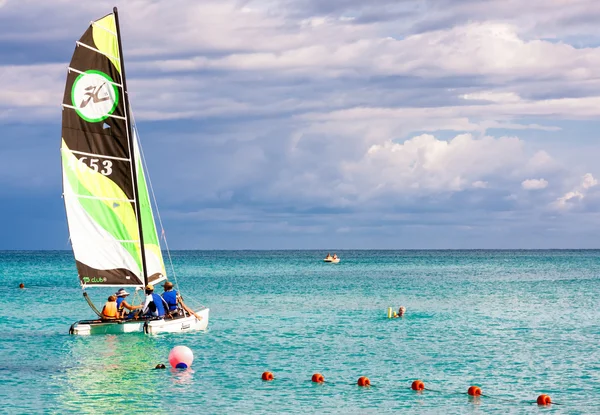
x,y
332,250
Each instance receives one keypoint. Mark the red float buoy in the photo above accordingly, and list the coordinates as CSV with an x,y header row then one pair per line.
x,y
318,378
267,376
417,385
363,381
474,391
544,400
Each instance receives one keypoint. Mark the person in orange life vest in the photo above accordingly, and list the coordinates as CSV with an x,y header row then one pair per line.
x,y
109,311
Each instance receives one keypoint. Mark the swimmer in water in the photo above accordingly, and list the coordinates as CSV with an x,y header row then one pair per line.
x,y
401,311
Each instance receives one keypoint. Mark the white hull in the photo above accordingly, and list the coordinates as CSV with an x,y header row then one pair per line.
x,y
177,325
333,261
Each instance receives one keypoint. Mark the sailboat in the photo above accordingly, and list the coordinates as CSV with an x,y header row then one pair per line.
x,y
111,222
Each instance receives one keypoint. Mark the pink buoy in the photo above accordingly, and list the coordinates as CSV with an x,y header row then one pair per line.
x,y
181,357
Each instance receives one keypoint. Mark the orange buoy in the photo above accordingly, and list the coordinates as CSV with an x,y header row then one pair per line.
x,y
318,378
417,385
544,400
363,381
474,391
267,376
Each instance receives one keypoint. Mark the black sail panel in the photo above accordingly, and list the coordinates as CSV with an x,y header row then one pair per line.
x,y
97,165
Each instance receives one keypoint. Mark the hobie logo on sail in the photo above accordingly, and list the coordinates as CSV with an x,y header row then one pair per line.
x,y
94,96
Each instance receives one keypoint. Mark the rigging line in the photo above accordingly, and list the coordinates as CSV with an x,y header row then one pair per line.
x,y
137,297
91,304
162,229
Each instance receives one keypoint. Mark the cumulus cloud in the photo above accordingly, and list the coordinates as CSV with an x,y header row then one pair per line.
x,y
588,181
425,164
493,96
209,49
534,184
476,49
534,18
380,109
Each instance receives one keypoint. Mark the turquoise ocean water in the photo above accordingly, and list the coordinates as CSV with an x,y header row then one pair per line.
x,y
515,323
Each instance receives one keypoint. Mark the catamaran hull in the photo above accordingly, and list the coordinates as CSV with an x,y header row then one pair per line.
x,y
178,325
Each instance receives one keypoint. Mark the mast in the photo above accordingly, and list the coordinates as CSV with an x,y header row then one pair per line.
x,y
131,148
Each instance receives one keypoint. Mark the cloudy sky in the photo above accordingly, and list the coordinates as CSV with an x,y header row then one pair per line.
x,y
325,124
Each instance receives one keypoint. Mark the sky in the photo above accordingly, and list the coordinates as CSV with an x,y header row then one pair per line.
x,y
310,124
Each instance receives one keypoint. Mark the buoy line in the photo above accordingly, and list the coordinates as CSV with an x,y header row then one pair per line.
x,y
181,357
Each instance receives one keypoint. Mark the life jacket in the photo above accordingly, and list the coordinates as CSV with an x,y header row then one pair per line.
x,y
119,303
110,309
171,299
158,303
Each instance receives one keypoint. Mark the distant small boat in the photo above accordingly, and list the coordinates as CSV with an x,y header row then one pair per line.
x,y
332,260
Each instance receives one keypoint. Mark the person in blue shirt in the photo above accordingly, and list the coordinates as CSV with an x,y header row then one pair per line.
x,y
174,301
123,305
170,296
154,306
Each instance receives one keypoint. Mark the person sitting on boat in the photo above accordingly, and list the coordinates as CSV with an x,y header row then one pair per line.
x,y
170,296
109,311
174,300
334,255
154,306
328,256
122,304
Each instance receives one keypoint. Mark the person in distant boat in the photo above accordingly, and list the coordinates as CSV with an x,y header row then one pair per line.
x,y
174,300
334,255
123,305
154,306
401,311
109,311
328,256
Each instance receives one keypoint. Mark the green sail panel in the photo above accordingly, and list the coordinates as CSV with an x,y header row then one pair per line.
x,y
155,264
98,186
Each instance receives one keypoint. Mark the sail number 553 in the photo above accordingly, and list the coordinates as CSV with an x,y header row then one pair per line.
x,y
104,167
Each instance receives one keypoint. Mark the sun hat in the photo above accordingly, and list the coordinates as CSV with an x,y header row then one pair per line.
x,y
150,287
121,293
